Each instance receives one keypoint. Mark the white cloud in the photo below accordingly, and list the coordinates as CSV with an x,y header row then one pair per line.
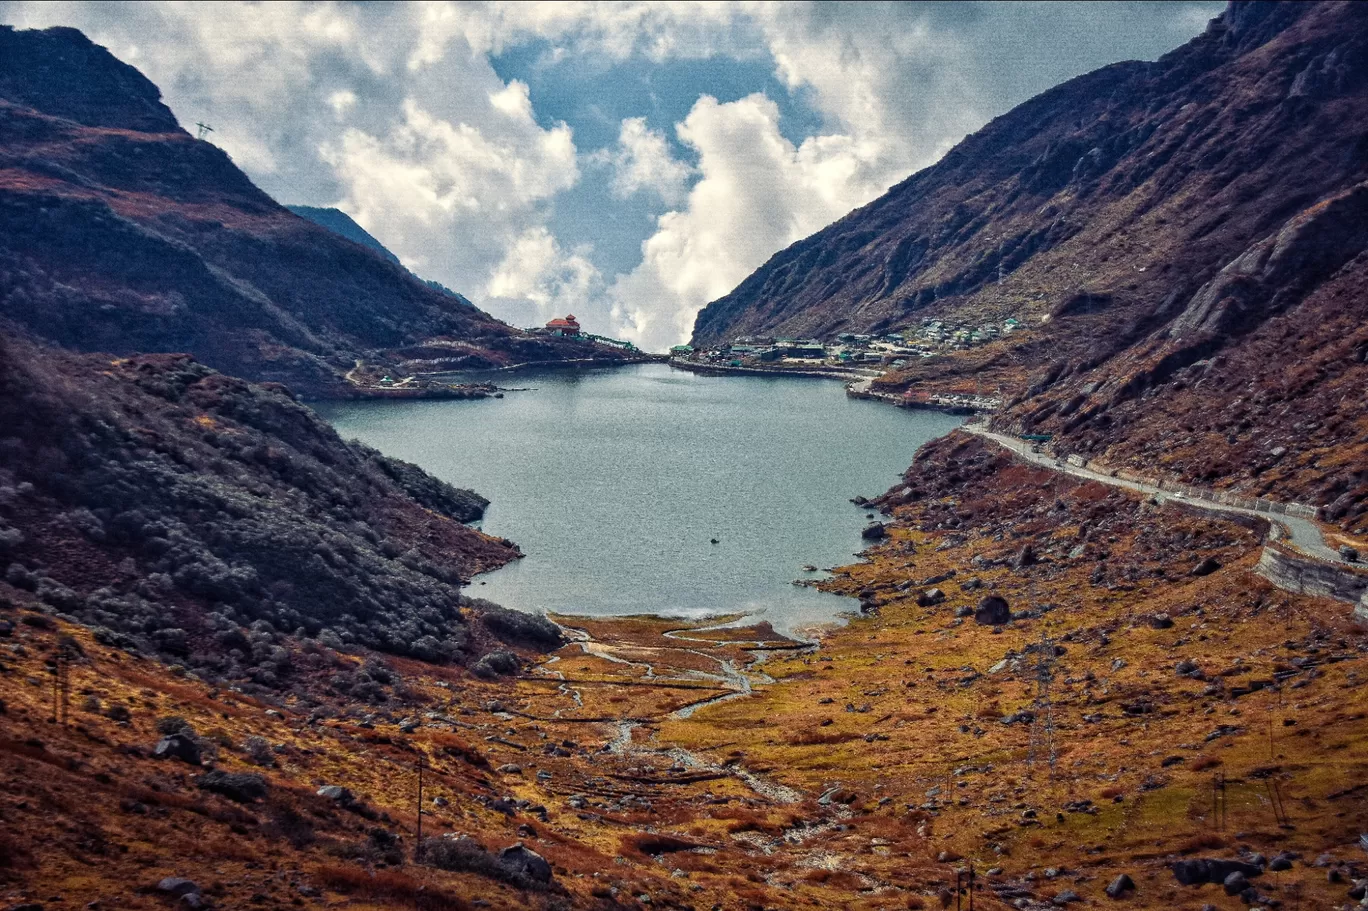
x,y
642,162
395,112
537,271
757,193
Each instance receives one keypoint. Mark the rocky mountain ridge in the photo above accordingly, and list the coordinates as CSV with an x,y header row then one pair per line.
x,y
120,232
180,513
1181,242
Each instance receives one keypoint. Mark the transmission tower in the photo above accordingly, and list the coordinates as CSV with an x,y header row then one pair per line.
x,y
203,129
1042,725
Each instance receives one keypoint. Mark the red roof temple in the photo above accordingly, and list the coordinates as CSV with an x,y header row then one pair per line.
x,y
566,326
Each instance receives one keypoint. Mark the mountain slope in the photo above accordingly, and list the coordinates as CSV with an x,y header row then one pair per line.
x,y
1200,213
173,507
342,224
120,232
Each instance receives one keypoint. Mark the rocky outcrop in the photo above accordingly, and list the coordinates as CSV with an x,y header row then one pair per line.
x,y
195,516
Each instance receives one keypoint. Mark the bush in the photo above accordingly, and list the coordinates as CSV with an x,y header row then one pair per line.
x,y
518,628
259,751
118,713
174,724
465,855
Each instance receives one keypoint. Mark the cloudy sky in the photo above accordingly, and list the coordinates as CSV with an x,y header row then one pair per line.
x,y
625,161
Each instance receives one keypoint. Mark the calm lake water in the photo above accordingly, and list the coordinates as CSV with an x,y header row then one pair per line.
x,y
614,483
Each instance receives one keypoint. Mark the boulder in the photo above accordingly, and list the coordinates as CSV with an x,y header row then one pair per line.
x,y
1204,568
1026,557
875,532
1161,621
1067,897
1235,883
524,860
930,596
176,886
1211,870
177,746
337,793
244,787
1350,554
992,610
1120,886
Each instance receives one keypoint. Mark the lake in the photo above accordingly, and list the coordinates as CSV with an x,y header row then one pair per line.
x,y
616,481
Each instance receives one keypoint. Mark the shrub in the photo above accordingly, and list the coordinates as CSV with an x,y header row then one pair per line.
x,y
518,628
465,855
258,750
174,724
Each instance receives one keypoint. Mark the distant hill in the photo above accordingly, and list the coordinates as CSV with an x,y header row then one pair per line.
x,y
120,232
343,225
339,222
1183,243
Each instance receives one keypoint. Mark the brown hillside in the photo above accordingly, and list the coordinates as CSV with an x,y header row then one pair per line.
x,y
120,232
1181,240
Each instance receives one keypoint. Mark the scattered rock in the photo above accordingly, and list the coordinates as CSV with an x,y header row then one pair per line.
x,y
337,793
1235,883
1210,870
509,768
1204,568
1187,668
930,596
1026,557
1067,897
244,787
876,532
1350,554
176,886
524,860
177,746
992,611
1161,621
1120,886
837,795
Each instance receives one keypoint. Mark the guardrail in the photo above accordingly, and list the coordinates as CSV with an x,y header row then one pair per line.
x,y
1225,498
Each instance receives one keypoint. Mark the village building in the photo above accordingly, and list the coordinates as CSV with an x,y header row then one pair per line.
x,y
564,326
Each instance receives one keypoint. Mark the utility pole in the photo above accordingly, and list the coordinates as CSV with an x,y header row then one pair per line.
x,y
61,685
418,844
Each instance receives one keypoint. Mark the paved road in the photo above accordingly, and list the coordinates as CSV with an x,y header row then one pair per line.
x,y
1302,534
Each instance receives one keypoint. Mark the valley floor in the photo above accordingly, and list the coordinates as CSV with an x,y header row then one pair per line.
x,y
1193,711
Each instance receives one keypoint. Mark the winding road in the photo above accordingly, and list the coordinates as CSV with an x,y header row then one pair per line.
x,y
1303,535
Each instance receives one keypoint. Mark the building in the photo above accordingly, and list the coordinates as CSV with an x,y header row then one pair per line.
x,y
566,326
